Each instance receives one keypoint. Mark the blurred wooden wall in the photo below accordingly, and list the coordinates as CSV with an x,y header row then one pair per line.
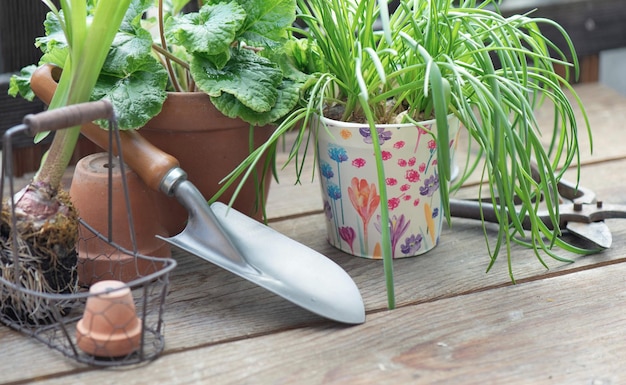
x,y
21,21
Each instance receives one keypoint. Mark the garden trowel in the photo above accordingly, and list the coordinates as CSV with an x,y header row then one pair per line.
x,y
220,234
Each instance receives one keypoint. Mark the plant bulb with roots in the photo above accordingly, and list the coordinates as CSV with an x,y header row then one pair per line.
x,y
47,232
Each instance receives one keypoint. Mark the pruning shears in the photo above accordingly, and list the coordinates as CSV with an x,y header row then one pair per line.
x,y
579,212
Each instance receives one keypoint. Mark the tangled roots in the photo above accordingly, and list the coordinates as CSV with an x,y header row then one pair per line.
x,y
41,264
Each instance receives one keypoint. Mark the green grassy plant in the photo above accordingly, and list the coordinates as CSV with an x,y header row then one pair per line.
x,y
431,58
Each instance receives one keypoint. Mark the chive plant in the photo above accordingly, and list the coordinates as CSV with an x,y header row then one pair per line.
x,y
432,58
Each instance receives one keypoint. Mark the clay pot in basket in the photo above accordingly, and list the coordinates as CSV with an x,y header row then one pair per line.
x,y
97,259
110,326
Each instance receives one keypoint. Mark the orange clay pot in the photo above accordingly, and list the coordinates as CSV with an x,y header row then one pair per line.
x,y
110,326
97,259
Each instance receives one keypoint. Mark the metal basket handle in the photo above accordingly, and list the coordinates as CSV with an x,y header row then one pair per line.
x,y
69,116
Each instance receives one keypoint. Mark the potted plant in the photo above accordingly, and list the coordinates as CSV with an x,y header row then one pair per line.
x,y
423,68
223,66
204,86
39,224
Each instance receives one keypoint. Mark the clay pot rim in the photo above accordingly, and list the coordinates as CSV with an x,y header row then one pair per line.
x,y
117,289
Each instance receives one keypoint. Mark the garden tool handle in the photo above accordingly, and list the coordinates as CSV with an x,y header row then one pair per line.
x,y
69,116
149,162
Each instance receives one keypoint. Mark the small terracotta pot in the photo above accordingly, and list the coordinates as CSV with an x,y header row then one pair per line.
x,y
98,260
110,326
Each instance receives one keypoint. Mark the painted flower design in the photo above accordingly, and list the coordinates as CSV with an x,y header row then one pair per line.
x,y
412,176
364,197
358,162
430,221
383,135
334,192
393,203
348,234
420,131
365,200
337,153
431,184
326,170
397,227
411,245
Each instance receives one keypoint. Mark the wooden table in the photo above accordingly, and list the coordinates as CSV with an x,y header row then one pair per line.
x,y
454,323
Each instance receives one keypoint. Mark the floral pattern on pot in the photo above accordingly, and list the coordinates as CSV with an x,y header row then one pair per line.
x,y
351,194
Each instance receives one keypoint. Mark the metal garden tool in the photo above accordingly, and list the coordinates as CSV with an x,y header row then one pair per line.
x,y
221,235
580,213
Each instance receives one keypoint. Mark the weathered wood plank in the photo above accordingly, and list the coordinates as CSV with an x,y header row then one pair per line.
x,y
561,330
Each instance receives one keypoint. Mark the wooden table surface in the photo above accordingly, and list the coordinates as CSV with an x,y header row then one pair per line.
x,y
454,324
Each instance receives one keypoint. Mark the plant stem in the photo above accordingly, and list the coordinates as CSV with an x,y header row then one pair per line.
x,y
169,56
79,75
168,62
385,230
58,158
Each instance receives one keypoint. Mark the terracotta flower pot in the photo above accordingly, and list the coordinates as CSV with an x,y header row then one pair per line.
x,y
351,193
208,145
110,326
98,260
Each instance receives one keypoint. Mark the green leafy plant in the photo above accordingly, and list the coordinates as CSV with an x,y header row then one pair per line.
x,y
430,59
232,50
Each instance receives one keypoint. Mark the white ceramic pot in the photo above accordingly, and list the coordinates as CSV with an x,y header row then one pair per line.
x,y
351,194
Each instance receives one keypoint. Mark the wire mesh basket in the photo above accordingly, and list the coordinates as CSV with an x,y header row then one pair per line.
x,y
43,297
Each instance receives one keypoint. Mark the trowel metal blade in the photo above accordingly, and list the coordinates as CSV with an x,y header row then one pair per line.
x,y
260,254
597,233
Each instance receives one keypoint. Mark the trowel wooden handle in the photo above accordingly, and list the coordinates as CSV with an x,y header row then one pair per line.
x,y
148,161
